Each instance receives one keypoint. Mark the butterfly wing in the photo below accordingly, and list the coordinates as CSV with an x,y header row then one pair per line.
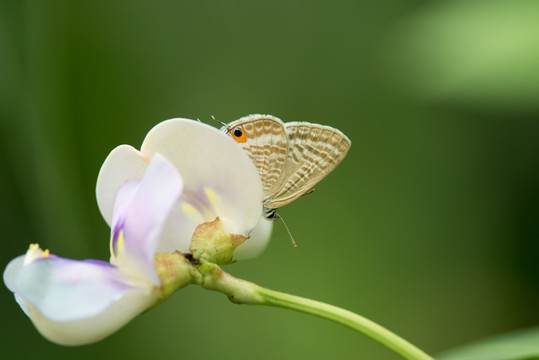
x,y
314,151
264,139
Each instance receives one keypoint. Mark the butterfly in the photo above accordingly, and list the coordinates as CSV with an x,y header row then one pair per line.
x,y
290,157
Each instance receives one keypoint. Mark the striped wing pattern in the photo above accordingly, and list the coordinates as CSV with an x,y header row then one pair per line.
x,y
290,157
267,146
314,151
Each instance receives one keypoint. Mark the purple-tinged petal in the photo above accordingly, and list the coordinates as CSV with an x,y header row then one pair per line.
x,y
66,290
140,215
124,199
77,302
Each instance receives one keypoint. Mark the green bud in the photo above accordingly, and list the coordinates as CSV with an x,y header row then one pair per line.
x,y
211,243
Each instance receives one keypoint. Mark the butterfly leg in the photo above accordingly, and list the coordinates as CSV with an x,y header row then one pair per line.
x,y
309,192
272,214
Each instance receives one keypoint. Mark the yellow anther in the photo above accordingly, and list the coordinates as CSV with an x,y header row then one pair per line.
x,y
120,242
189,209
212,196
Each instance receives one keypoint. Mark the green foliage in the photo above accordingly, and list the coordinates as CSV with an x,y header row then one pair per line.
x,y
521,345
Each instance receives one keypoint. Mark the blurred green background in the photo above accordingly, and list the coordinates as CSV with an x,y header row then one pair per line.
x,y
429,226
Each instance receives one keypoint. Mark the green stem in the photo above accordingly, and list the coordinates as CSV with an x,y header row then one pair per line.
x,y
244,292
346,318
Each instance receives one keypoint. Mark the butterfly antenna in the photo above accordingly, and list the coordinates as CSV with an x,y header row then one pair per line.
x,y
277,216
219,122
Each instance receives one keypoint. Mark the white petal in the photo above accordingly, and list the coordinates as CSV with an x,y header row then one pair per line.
x,y
124,163
90,330
214,168
179,227
220,180
12,270
257,242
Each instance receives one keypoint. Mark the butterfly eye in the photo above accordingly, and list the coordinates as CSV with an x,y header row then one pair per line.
x,y
239,135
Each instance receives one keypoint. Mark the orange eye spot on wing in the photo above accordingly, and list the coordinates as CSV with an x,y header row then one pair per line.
x,y
238,134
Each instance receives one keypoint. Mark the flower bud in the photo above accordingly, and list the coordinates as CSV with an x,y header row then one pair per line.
x,y
211,243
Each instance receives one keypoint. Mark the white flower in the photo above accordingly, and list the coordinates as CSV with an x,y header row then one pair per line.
x,y
220,181
75,302
187,174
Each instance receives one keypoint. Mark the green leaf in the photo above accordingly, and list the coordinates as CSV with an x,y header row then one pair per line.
x,y
520,345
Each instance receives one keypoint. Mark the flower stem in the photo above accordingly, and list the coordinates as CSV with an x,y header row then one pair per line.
x,y
346,318
244,292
